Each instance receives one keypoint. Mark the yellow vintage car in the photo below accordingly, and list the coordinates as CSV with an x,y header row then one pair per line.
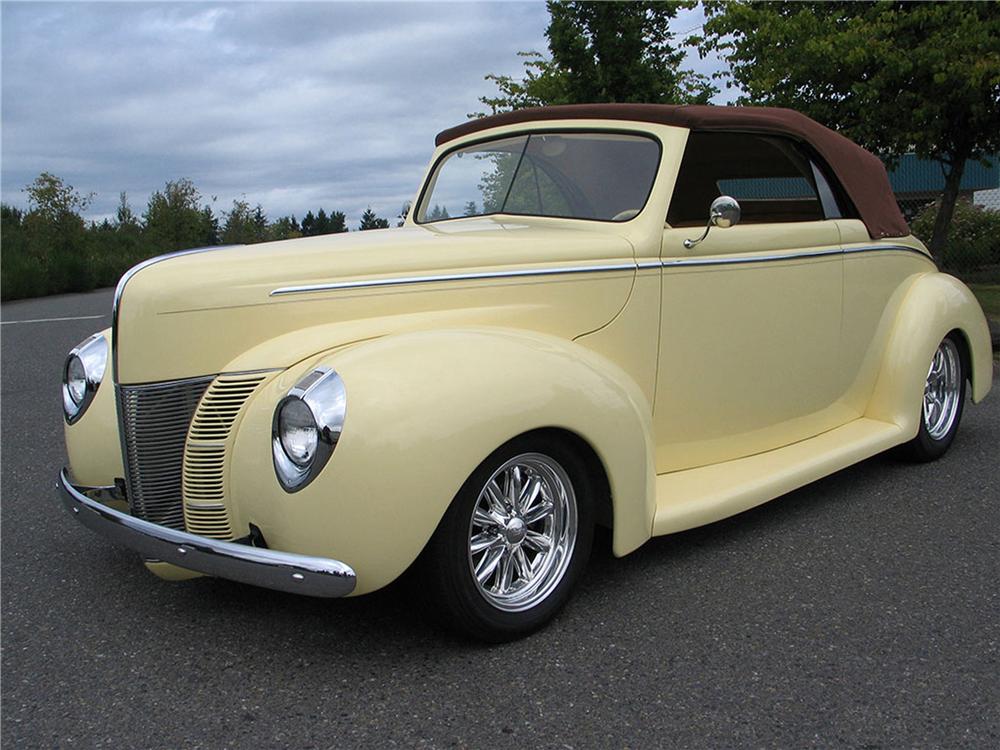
x,y
648,317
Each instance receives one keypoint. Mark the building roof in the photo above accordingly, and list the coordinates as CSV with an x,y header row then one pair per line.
x,y
861,173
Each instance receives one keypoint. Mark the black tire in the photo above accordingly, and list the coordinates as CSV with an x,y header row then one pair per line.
x,y
446,573
932,440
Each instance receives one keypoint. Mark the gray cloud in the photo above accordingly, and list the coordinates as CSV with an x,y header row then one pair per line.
x,y
294,105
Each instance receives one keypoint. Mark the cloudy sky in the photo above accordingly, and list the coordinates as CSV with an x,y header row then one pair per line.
x,y
294,105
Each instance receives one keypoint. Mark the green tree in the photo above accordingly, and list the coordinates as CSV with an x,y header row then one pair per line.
x,y
370,221
604,52
894,76
125,218
337,222
284,228
50,198
55,235
175,221
322,225
244,224
308,223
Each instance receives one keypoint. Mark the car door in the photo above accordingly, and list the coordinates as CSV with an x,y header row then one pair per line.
x,y
751,315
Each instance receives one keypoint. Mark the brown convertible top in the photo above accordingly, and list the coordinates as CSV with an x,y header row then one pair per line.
x,y
860,172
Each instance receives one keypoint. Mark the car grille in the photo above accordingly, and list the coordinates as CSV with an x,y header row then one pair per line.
x,y
208,444
154,420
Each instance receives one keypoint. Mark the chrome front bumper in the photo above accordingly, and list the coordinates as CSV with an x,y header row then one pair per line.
x,y
284,571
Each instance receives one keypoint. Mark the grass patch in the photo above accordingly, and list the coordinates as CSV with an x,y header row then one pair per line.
x,y
989,297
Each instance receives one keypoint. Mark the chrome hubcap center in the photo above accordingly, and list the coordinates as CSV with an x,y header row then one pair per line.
x,y
515,531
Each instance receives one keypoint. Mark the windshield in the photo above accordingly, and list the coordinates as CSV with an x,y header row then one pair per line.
x,y
599,176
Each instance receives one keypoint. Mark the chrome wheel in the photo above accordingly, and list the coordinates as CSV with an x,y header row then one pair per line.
x,y
943,390
522,532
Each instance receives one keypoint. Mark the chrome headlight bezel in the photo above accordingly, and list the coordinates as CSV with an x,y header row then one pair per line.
x,y
323,393
92,356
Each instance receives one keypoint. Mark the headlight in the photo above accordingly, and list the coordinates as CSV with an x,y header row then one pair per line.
x,y
82,374
306,427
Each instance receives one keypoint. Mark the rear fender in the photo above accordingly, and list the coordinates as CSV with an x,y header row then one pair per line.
x,y
935,305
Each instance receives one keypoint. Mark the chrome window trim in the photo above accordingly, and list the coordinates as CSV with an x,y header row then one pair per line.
x,y
601,268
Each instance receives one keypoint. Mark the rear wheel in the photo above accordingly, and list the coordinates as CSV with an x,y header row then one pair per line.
x,y
944,399
514,542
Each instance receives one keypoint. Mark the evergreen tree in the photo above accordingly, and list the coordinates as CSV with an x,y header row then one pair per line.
x,y
338,222
308,224
370,221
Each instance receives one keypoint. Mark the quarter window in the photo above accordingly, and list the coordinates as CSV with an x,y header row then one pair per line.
x,y
773,179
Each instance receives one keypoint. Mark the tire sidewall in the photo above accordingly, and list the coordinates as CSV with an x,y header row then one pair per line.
x,y
925,447
448,550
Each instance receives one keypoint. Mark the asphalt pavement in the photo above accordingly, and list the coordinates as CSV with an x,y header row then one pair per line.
x,y
860,611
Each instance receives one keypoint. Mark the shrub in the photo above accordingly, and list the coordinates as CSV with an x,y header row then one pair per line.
x,y
973,237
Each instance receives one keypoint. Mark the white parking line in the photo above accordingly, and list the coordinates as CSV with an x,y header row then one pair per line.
x,y
50,320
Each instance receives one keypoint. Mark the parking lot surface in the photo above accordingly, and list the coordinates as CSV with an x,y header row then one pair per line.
x,y
860,611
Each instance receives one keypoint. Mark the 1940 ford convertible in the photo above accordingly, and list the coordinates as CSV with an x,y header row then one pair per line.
x,y
642,316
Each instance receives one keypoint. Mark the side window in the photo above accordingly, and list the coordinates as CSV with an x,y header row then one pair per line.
x,y
771,177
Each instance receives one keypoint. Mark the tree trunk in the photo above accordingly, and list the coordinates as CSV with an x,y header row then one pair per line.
x,y
942,222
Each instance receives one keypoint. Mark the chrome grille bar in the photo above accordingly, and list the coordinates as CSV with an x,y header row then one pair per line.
x,y
154,421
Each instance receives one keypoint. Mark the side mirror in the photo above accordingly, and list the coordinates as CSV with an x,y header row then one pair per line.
x,y
724,213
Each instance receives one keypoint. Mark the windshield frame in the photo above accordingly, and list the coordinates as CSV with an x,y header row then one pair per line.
x,y
432,173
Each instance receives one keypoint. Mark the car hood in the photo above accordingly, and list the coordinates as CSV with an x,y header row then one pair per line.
x,y
193,314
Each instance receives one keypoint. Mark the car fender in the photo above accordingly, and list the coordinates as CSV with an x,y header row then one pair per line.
x,y
934,305
423,410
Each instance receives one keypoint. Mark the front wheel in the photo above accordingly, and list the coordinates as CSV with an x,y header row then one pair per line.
x,y
944,399
514,542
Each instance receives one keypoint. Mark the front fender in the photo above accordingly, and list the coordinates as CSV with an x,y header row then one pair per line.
x,y
423,410
934,305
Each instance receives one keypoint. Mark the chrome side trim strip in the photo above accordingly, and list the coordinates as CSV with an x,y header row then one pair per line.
x,y
272,569
563,270
737,260
876,248
471,276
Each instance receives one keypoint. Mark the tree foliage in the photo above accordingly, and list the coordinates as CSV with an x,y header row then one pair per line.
x,y
369,220
604,52
50,248
893,76
175,220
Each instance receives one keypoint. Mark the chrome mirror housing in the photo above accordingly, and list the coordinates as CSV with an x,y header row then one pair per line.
x,y
723,213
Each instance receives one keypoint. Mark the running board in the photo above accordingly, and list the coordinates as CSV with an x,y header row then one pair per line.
x,y
694,497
